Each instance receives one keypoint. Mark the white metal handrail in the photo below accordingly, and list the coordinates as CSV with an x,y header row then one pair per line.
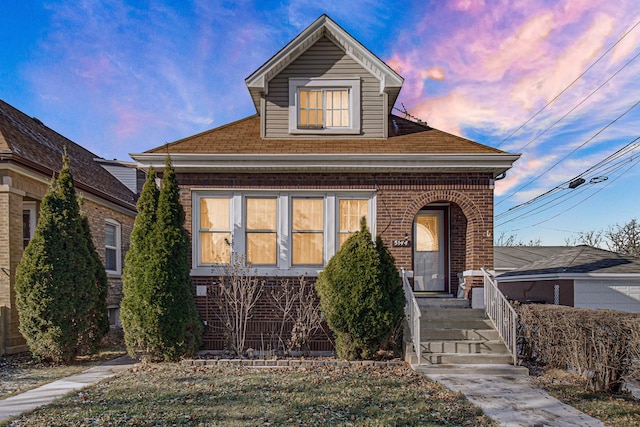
x,y
501,314
412,311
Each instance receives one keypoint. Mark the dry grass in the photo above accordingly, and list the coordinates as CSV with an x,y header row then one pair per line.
x,y
172,394
613,409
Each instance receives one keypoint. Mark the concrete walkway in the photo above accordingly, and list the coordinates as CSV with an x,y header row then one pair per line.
x,y
515,401
43,395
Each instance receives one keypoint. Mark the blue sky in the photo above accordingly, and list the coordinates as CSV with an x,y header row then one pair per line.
x,y
120,77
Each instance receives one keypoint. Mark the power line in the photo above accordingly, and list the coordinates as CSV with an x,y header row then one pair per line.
x,y
634,159
578,104
595,169
567,88
570,153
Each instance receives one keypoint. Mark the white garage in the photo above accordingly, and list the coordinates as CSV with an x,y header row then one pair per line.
x,y
609,293
578,276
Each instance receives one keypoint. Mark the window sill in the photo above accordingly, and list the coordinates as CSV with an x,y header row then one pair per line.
x,y
324,131
114,274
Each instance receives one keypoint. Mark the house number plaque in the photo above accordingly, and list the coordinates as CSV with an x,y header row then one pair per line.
x,y
405,243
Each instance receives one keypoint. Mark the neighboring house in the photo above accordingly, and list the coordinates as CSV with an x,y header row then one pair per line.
x,y
30,154
285,187
580,276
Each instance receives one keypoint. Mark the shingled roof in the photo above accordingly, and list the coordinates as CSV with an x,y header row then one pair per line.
x,y
405,137
27,141
579,260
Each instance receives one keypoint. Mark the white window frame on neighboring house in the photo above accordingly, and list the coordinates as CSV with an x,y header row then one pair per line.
x,y
117,248
284,227
30,208
323,87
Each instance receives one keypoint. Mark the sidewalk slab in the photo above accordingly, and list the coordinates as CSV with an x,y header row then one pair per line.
x,y
515,401
45,394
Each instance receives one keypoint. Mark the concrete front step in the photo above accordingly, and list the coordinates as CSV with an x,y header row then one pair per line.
x,y
456,324
465,346
458,334
431,302
448,314
466,359
488,369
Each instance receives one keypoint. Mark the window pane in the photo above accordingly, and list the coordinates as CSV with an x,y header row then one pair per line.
x,y
427,233
110,235
351,211
261,214
26,228
215,248
304,99
308,214
214,213
343,238
110,259
307,248
261,248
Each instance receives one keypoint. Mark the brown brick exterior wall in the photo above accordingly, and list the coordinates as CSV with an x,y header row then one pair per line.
x,y
399,198
25,188
263,329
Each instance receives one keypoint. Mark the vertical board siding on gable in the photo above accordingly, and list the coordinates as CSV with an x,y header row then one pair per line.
x,y
323,59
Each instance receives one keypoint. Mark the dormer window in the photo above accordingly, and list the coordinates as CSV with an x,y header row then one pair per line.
x,y
318,106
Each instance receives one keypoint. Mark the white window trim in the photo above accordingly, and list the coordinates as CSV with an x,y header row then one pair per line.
x,y
284,266
353,84
118,248
195,226
31,207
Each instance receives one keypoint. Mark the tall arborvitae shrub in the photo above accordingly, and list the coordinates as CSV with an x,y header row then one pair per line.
x,y
56,279
158,310
358,295
180,328
98,314
139,321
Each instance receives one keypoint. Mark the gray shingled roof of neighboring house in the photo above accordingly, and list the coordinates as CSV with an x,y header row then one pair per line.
x,y
566,260
27,141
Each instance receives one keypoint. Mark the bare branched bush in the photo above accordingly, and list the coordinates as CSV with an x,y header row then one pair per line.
x,y
600,345
307,318
239,290
299,313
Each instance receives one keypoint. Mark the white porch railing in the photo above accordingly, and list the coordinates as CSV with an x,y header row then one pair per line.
x,y
412,311
501,313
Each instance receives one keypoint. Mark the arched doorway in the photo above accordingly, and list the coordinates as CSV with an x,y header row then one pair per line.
x,y
431,249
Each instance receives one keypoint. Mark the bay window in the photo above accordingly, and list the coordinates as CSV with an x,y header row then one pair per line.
x,y
278,233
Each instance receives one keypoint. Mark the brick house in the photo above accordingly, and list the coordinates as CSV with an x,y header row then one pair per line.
x,y
30,154
286,186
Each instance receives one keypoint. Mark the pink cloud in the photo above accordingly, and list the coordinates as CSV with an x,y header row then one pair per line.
x,y
467,5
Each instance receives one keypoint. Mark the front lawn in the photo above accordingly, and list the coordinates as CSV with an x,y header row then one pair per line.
x,y
615,410
173,394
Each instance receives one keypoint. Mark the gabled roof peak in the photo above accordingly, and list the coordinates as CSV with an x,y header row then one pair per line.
x,y
323,26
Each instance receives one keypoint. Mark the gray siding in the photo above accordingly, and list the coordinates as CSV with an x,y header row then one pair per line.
x,y
324,59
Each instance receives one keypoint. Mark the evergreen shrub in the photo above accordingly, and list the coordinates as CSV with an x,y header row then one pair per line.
x,y
361,296
60,292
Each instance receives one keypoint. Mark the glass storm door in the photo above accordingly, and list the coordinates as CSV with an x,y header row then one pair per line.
x,y
429,251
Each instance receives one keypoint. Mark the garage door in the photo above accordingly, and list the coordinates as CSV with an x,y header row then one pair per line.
x,y
622,295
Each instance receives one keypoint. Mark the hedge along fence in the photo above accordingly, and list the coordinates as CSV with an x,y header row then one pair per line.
x,y
601,345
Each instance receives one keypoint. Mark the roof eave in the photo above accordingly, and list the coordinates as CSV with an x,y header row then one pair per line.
x,y
565,276
324,25
495,163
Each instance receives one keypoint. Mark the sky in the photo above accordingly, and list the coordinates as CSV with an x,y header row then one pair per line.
x,y
556,81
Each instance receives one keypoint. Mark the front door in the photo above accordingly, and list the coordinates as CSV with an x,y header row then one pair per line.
x,y
429,251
